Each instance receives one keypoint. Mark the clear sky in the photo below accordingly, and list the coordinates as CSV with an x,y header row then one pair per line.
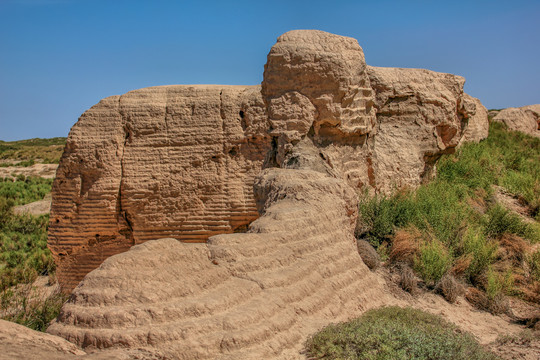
x,y
60,57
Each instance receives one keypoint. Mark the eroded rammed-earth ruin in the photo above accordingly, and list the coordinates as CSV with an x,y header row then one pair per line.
x,y
180,161
198,163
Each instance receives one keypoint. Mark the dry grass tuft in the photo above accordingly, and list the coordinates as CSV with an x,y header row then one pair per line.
x,y
478,202
477,298
368,254
407,279
513,248
461,265
450,288
405,245
480,300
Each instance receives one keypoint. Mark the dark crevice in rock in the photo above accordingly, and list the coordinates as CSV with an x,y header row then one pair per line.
x,y
221,109
125,225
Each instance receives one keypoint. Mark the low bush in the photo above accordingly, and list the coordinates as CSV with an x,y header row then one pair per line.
x,y
477,298
379,216
449,288
407,279
498,284
25,305
395,333
514,247
23,190
482,253
405,245
432,262
500,221
23,249
533,261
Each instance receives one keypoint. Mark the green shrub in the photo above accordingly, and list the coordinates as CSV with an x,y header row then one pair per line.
x,y
534,264
472,166
442,210
481,250
456,211
432,262
395,333
500,221
379,216
498,284
24,190
23,250
437,208
23,238
26,306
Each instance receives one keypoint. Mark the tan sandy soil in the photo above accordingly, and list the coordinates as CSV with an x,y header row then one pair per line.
x,y
512,203
47,171
35,208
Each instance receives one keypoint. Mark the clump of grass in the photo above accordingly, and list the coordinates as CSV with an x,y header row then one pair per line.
x,y
498,284
395,333
524,337
25,305
379,216
432,262
533,261
407,279
514,249
449,288
25,163
405,245
23,249
500,221
481,252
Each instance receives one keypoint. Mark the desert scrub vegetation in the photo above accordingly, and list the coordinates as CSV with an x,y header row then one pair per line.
x,y
23,190
26,152
24,255
395,333
454,224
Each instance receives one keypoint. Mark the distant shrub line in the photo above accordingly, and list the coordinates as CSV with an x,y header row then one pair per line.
x,y
48,151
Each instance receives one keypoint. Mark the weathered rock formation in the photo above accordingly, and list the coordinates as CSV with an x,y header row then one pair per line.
x,y
170,161
20,342
525,119
475,113
180,161
254,295
421,115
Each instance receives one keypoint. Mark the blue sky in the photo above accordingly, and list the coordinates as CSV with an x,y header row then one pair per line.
x,y
59,57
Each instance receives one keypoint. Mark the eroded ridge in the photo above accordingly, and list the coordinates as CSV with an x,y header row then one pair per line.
x,y
247,295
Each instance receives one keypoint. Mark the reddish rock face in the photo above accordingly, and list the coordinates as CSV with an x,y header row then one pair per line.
x,y
180,161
